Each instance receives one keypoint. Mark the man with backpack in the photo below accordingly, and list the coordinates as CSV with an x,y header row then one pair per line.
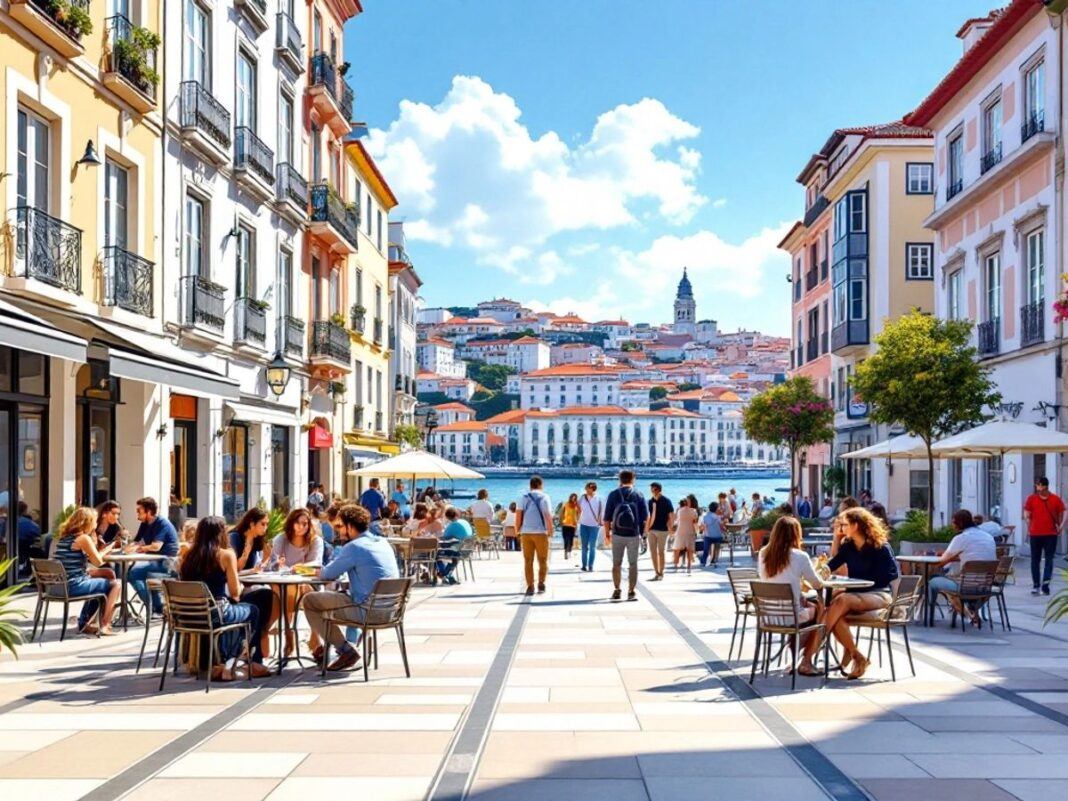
x,y
625,514
534,524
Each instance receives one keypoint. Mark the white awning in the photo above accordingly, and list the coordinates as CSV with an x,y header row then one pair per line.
x,y
25,331
276,416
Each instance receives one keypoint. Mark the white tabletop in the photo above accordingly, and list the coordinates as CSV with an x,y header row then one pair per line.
x,y
281,578
920,559
845,581
136,557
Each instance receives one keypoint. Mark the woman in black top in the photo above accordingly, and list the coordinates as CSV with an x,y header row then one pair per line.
x,y
860,546
249,542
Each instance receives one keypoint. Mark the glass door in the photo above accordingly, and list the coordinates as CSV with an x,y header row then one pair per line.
x,y
8,540
235,472
95,448
184,464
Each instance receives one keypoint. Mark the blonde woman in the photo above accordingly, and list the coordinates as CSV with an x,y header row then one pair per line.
x,y
782,561
860,545
76,548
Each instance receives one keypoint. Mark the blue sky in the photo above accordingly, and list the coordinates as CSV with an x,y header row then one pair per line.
x,y
575,154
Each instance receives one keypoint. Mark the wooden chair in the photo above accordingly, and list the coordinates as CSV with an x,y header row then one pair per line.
x,y
975,586
383,609
903,603
189,607
1001,578
51,579
776,613
484,536
423,555
740,579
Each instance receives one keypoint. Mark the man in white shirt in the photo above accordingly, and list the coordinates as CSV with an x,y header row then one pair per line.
x,y
591,518
972,544
534,523
482,509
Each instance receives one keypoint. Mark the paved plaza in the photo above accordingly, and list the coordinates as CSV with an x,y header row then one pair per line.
x,y
563,696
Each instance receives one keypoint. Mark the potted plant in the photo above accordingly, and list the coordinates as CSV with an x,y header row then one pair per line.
x,y
10,633
760,527
358,314
338,319
178,511
72,18
130,56
912,535
261,305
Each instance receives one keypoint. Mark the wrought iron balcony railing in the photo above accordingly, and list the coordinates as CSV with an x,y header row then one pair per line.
x,y
250,153
48,249
292,186
291,336
324,73
989,335
954,189
128,281
812,349
1032,323
816,209
327,207
990,159
250,322
201,112
60,14
812,277
129,58
330,341
205,303
1035,123
288,41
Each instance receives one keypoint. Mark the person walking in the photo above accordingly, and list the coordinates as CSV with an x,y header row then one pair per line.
x,y
591,518
404,502
569,515
625,517
534,522
804,509
373,500
658,526
712,533
687,531
1043,514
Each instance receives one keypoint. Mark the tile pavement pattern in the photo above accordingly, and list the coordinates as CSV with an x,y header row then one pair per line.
x,y
567,696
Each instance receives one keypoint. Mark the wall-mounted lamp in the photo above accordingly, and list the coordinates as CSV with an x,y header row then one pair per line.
x,y
161,432
220,432
89,157
278,375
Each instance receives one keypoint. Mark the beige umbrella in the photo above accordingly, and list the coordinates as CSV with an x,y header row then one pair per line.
x,y
416,464
904,446
999,437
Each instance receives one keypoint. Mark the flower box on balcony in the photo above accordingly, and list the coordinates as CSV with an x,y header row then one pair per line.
x,y
61,24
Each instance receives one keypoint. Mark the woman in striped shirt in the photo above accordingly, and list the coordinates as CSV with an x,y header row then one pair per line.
x,y
76,547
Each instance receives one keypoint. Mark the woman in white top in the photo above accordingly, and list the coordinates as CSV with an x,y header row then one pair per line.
x,y
511,541
782,561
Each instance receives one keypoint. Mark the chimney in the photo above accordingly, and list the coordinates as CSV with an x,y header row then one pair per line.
x,y
973,29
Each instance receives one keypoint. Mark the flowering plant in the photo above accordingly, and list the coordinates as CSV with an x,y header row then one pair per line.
x,y
1060,305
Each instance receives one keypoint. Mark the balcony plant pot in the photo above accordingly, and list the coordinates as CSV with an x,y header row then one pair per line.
x,y
177,514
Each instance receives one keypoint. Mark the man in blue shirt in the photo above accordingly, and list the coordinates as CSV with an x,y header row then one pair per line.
x,y
456,530
366,558
373,500
155,535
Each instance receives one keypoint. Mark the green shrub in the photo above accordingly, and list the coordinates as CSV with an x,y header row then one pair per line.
x,y
10,633
914,529
765,521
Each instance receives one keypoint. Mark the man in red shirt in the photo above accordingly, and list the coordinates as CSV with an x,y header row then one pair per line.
x,y
1043,513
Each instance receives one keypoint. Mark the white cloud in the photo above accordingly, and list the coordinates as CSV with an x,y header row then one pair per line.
x,y
601,303
469,173
719,202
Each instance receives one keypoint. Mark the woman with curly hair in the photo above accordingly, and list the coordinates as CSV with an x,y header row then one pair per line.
x,y
76,550
860,546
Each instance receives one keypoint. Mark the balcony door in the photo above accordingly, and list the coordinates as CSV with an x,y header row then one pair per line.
x,y
197,36
284,299
992,280
285,130
34,161
245,115
116,205
245,286
1036,266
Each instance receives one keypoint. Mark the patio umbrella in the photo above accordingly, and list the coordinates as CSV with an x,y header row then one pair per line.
x,y
999,437
416,464
904,446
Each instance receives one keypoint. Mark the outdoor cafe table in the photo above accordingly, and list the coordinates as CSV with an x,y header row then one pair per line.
x,y
124,561
840,583
926,563
281,581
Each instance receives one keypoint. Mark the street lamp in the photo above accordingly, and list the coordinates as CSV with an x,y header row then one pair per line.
x,y
277,375
430,422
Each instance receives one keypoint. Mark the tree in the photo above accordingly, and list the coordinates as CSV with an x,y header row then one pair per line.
x,y
408,435
688,386
925,377
790,415
629,346
492,376
657,393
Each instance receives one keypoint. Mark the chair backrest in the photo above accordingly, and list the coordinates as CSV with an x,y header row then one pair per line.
x,y
977,578
740,579
906,595
50,577
1001,576
482,527
189,605
386,604
1005,549
467,546
422,547
775,604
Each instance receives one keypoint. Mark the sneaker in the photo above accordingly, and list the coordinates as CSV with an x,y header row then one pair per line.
x,y
1045,589
632,596
541,586
1036,591
616,595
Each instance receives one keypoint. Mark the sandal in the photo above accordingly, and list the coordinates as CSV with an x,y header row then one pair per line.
x,y
810,672
859,668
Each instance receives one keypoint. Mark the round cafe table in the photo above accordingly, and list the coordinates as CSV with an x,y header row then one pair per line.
x,y
926,564
840,583
281,581
124,561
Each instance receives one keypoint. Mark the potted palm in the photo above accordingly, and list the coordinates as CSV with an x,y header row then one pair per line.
x,y
10,633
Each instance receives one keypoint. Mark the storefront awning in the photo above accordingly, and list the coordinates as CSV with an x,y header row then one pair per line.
x,y
25,331
250,413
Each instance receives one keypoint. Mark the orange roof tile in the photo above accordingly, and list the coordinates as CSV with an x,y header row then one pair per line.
x,y
509,417
562,370
464,425
454,406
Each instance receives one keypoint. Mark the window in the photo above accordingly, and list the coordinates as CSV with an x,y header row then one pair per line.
x,y
1036,266
1034,95
992,285
285,129
197,35
369,220
359,286
919,261
956,165
919,179
992,127
953,291
919,489
858,302
284,293
335,291
34,161
317,32
246,92
245,286
378,235
116,203
858,212
235,471
335,167
317,154
196,262
316,289
280,439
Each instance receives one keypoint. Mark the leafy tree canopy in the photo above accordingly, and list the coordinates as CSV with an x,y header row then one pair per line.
x,y
657,393
493,377
688,386
791,414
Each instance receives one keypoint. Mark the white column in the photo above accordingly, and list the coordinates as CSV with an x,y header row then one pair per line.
x,y
62,428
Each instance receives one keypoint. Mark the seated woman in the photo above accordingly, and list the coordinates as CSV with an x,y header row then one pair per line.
x,y
860,545
782,561
419,515
248,541
76,547
511,538
298,544
432,525
211,561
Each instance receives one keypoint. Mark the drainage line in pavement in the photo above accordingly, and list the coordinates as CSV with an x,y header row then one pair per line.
x,y
457,770
836,784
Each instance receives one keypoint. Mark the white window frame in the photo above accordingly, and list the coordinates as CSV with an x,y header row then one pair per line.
x,y
992,288
196,43
196,242
919,261
919,178
991,127
954,285
1035,268
34,170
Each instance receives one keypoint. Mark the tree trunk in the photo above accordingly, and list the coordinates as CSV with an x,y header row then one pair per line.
x,y
793,461
930,488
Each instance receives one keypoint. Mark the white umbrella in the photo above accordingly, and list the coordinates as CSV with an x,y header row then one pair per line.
x,y
1001,437
415,464
904,446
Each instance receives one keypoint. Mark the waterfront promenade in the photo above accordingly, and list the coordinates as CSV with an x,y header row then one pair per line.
x,y
563,696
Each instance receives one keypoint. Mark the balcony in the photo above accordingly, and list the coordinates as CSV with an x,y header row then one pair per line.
x,y
288,44
813,212
255,11
812,350
291,191
333,220
47,249
1032,324
203,304
253,163
250,322
205,122
812,277
989,336
990,159
849,336
291,336
42,18
1035,123
954,189
331,96
128,281
331,348
130,65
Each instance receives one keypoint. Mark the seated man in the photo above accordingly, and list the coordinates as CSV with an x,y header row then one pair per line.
x,y
155,535
972,544
456,530
366,558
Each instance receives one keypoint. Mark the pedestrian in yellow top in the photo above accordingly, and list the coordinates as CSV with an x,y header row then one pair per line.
x,y
569,517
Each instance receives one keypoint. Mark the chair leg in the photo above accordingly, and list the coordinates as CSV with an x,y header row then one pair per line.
x,y
756,656
63,626
36,618
144,643
890,654
767,653
100,617
365,637
793,662
826,656
1005,611
403,649
374,644
871,641
211,661
159,644
741,640
734,633
908,648
248,651
326,650
166,659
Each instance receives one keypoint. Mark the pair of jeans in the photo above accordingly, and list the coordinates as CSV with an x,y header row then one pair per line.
x,y
138,579
940,584
227,612
628,545
453,555
707,544
588,543
1042,545
262,599
535,545
87,585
